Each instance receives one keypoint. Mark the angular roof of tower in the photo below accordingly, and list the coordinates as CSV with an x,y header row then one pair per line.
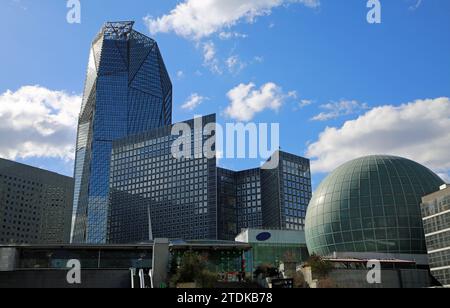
x,y
118,29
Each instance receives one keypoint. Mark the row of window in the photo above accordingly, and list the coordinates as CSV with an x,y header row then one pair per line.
x,y
443,276
436,207
440,259
9,180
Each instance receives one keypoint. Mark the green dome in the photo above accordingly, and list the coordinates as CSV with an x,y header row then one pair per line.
x,y
371,204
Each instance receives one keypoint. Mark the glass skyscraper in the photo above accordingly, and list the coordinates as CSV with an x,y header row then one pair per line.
x,y
286,192
273,198
156,195
127,91
248,201
226,204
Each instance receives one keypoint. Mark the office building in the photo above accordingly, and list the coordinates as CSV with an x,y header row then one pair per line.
x,y
239,201
156,195
286,191
248,199
370,208
274,196
226,204
436,222
127,91
35,205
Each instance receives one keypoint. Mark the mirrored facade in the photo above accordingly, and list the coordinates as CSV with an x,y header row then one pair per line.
x,y
286,192
226,199
248,200
127,91
271,198
157,195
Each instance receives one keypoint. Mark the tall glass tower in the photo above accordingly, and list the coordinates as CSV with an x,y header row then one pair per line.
x,y
127,91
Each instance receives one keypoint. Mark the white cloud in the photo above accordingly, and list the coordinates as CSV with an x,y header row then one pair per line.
x,y
229,35
180,74
416,5
418,130
210,57
20,4
193,102
38,122
258,59
246,100
209,51
305,103
197,19
235,64
445,177
335,110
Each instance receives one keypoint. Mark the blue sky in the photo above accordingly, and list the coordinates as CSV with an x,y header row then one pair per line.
x,y
343,87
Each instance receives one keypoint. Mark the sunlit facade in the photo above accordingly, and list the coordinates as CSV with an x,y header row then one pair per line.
x,y
127,91
156,195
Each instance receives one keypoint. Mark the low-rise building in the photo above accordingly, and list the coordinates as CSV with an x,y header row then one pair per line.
x,y
273,247
143,265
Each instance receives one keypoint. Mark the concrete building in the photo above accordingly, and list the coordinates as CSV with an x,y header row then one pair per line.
x,y
35,205
436,222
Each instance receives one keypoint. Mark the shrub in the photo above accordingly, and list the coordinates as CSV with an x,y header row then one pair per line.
x,y
299,281
319,266
193,269
266,270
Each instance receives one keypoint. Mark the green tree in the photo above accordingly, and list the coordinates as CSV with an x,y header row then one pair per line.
x,y
319,266
193,268
267,270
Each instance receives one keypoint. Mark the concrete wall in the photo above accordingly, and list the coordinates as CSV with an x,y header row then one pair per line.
x,y
349,278
160,261
8,259
57,279
358,279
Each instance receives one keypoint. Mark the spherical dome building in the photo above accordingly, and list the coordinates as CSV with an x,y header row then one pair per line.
x,y
370,205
